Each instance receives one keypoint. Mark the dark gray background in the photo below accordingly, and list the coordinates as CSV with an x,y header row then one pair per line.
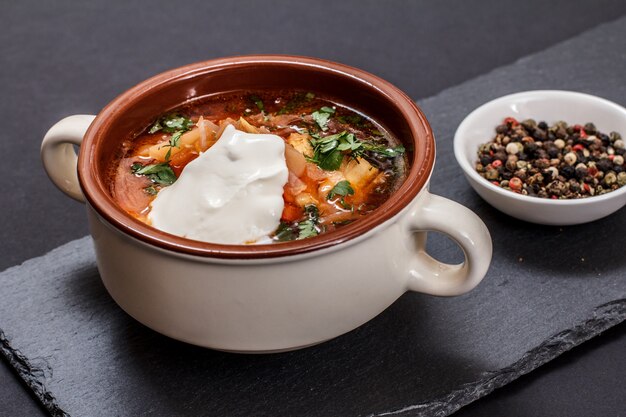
x,y
63,58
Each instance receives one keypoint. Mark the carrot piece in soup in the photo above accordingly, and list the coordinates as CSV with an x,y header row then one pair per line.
x,y
291,213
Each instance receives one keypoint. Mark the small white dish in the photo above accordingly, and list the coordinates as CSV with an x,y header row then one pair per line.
x,y
550,106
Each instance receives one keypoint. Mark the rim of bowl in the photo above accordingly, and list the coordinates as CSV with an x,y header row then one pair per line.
x,y
420,165
467,167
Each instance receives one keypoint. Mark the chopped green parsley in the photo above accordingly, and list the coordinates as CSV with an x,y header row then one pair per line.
x,y
157,173
322,116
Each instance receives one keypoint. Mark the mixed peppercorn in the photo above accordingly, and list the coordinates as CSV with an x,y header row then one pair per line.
x,y
558,161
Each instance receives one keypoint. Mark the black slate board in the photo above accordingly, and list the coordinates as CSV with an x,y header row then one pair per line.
x,y
548,289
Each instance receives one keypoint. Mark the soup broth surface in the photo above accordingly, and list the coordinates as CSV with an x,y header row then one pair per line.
x,y
342,164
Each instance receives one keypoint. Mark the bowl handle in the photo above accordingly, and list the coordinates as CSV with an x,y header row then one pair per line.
x,y
426,274
58,155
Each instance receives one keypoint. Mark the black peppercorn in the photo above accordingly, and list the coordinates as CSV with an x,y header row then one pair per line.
x,y
541,153
561,132
500,155
581,173
604,165
507,175
542,125
568,171
553,152
540,134
530,147
606,141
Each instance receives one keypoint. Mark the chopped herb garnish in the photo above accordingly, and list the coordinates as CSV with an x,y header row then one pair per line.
x,y
322,116
285,232
257,102
151,189
353,119
309,227
345,205
328,150
172,123
173,144
389,152
155,127
301,229
312,212
296,102
157,173
349,142
330,161
342,188
175,138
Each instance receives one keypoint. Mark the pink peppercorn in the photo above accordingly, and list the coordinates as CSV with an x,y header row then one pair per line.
x,y
512,121
515,184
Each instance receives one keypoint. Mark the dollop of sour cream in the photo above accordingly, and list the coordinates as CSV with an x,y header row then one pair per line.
x,y
231,194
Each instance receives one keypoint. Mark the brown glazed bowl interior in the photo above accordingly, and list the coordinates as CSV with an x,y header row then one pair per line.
x,y
131,112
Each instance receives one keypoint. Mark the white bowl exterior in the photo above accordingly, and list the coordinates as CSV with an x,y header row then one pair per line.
x,y
284,303
246,306
549,105
548,214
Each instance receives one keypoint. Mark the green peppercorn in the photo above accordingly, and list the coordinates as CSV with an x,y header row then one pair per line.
x,y
574,185
491,174
590,128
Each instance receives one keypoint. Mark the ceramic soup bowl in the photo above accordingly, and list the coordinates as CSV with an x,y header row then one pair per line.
x,y
264,298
